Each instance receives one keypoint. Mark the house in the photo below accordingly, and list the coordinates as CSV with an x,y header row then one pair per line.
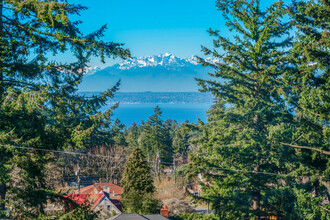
x,y
113,190
103,197
100,201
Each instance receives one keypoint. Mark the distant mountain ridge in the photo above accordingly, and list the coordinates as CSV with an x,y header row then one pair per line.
x,y
160,73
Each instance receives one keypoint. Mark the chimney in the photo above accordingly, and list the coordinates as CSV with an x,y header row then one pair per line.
x,y
115,181
106,188
113,193
164,212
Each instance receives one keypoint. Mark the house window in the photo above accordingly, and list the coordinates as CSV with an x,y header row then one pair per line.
x,y
109,207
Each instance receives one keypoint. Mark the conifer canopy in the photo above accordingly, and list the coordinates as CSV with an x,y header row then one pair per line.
x,y
39,106
138,186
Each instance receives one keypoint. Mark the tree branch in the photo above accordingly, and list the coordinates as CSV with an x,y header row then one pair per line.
x,y
309,148
325,209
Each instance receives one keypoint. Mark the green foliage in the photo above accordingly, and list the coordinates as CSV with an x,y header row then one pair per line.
x,y
136,174
39,107
155,138
181,142
132,136
135,202
194,216
138,186
82,212
310,84
117,133
251,119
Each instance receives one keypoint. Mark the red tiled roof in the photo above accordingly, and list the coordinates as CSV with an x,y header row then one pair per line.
x,y
92,199
98,187
98,200
77,198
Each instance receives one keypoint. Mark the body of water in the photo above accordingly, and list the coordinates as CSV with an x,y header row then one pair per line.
x,y
129,113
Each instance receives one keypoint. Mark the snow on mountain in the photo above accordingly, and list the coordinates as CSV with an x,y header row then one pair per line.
x,y
160,73
192,59
212,60
166,60
91,70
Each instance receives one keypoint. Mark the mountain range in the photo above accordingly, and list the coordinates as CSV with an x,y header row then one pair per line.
x,y
160,73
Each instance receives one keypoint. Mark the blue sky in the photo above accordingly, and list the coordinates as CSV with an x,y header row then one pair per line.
x,y
151,27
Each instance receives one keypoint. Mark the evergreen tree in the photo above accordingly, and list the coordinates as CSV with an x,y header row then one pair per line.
x,y
308,93
145,140
181,143
250,118
138,186
155,139
171,126
311,82
132,136
117,133
39,107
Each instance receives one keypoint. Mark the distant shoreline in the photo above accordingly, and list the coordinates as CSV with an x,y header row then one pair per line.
x,y
157,97
159,103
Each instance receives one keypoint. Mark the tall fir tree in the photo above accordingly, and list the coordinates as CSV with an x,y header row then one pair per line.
x,y
308,93
117,133
138,188
155,138
181,143
240,155
310,83
39,107
132,136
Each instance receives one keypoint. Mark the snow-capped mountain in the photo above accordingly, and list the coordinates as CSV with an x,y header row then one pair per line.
x,y
91,70
166,60
164,72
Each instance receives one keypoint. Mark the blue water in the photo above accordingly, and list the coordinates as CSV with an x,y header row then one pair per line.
x,y
129,113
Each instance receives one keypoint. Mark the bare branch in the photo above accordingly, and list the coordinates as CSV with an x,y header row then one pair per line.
x,y
309,148
325,209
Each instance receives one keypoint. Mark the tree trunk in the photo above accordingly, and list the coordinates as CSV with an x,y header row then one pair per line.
x,y
256,120
256,203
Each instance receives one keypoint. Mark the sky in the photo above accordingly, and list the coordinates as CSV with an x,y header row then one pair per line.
x,y
152,27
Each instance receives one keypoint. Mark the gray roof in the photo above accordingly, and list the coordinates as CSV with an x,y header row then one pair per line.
x,y
134,216
155,217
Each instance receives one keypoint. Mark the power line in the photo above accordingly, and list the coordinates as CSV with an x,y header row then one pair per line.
x,y
108,157
262,173
58,151
73,153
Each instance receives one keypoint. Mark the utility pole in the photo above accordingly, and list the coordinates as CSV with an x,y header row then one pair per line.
x,y
78,178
